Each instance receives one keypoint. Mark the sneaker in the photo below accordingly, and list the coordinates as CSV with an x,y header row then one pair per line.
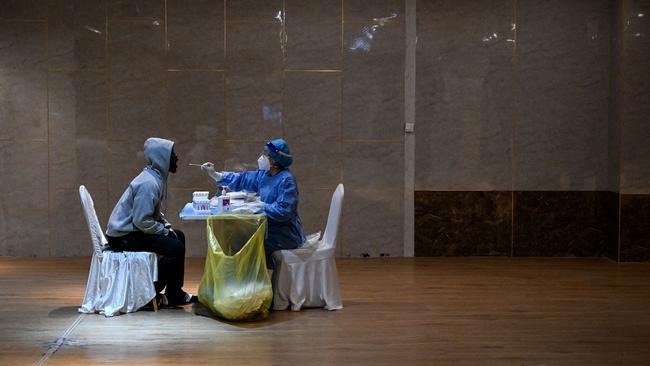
x,y
190,299
185,300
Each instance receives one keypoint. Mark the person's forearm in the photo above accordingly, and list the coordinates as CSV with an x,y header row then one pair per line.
x,y
151,227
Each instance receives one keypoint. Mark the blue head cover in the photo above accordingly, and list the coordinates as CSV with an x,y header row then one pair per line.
x,y
279,150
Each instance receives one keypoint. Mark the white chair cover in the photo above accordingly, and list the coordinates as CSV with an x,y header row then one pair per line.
x,y
307,277
117,282
120,282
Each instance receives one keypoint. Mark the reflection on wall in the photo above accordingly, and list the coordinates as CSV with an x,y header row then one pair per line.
x,y
545,101
514,98
83,84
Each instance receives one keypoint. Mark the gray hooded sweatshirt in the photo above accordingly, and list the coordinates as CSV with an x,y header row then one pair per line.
x,y
139,207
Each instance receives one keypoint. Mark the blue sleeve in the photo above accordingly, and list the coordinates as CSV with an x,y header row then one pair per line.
x,y
286,205
244,181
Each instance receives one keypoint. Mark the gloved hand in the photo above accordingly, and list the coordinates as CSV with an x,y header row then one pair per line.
x,y
209,168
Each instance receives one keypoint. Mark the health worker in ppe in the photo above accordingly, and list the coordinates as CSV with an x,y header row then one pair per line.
x,y
278,190
137,223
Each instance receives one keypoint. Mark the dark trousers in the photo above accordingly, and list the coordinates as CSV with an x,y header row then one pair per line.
x,y
171,266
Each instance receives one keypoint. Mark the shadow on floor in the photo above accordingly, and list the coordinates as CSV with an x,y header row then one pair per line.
x,y
64,312
275,317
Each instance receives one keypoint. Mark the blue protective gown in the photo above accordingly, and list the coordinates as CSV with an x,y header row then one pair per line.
x,y
280,196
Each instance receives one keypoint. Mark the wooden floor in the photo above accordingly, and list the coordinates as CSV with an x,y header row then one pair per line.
x,y
427,311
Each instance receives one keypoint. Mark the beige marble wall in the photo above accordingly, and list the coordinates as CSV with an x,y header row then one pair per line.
x,y
614,116
82,85
514,95
510,95
372,124
563,70
465,95
635,97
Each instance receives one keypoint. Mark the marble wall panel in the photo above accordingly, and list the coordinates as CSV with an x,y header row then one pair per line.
x,y
240,156
23,44
607,218
253,81
23,9
312,104
195,34
24,198
138,86
136,107
463,223
635,99
562,95
254,10
23,104
563,224
614,116
635,235
313,209
195,113
24,223
145,10
69,235
372,223
125,161
373,80
135,48
23,166
466,102
77,121
254,48
313,34
377,166
464,95
77,34
364,11
254,108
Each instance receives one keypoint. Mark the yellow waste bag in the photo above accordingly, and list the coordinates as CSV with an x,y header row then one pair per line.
x,y
235,283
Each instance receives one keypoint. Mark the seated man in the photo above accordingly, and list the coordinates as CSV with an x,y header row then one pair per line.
x,y
138,225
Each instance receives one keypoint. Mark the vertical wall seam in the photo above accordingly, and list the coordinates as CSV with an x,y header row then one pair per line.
x,y
49,138
620,34
109,93
164,70
513,165
410,64
284,48
225,74
341,244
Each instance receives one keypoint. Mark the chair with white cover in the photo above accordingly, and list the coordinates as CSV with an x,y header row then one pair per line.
x,y
307,277
118,282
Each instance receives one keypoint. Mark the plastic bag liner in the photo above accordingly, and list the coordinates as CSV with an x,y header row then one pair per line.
x,y
235,283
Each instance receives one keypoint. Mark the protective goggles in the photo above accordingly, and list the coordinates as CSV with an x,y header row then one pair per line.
x,y
272,148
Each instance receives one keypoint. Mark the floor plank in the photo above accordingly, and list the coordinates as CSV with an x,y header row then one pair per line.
x,y
397,311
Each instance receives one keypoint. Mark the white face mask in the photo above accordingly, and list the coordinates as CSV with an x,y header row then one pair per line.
x,y
264,163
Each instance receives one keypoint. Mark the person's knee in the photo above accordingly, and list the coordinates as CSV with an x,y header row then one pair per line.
x,y
180,250
176,248
180,235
